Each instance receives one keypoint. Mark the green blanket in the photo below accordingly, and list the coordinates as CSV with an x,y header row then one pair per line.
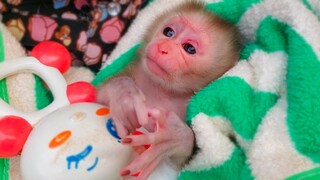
x,y
261,120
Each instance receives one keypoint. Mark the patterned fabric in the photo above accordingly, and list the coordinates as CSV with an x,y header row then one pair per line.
x,y
261,120
90,29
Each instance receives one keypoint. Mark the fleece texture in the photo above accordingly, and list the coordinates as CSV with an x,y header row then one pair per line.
x,y
261,120
10,49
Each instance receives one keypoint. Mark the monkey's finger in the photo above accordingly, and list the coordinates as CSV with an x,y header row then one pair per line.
x,y
145,139
122,131
133,121
141,112
158,117
144,160
117,118
146,172
126,117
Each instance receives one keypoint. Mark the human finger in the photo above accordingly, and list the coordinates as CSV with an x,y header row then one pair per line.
x,y
147,171
143,160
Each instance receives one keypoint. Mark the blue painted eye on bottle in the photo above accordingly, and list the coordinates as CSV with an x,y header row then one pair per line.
x,y
112,129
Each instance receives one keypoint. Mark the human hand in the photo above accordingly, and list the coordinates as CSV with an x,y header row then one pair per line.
x,y
172,139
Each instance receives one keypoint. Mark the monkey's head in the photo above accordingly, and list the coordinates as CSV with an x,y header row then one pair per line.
x,y
189,48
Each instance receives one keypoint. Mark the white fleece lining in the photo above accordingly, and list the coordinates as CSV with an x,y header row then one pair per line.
x,y
211,138
272,154
20,87
270,70
303,22
315,5
263,72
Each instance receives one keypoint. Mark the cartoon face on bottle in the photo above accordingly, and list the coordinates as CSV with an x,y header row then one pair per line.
x,y
75,142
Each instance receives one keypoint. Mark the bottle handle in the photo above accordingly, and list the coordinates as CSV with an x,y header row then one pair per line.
x,y
51,76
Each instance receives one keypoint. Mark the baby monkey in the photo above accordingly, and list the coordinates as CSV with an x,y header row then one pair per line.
x,y
184,50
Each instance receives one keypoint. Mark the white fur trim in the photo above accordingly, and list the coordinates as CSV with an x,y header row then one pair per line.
x,y
272,154
212,139
292,12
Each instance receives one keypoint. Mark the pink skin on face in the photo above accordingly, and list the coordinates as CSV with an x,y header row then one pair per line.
x,y
167,56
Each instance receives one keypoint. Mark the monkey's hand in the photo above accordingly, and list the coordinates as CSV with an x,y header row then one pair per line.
x,y
126,102
172,139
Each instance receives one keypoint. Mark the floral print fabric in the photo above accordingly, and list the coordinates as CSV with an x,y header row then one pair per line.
x,y
89,29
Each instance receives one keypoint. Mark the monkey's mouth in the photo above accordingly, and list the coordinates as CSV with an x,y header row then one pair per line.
x,y
156,68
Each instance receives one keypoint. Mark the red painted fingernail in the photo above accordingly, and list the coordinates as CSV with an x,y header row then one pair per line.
x,y
125,173
137,132
126,140
136,174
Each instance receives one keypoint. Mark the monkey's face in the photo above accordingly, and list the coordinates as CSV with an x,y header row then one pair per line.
x,y
182,50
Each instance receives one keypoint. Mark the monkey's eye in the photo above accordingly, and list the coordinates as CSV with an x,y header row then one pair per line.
x,y
189,48
168,31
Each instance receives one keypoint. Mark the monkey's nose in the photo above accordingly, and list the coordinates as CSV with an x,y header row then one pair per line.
x,y
164,52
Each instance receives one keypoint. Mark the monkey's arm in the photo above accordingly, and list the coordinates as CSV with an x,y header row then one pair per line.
x,y
126,103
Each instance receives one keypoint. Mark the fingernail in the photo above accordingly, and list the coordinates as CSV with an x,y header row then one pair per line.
x,y
136,174
125,173
126,140
136,132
